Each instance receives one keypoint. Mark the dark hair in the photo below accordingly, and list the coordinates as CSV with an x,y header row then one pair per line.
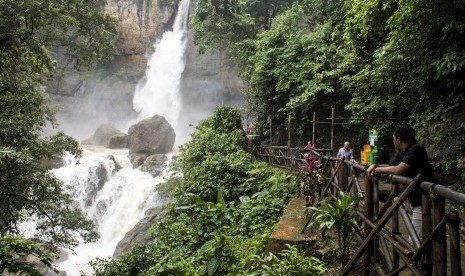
x,y
405,133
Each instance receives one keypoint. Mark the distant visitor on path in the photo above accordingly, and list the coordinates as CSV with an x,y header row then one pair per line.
x,y
248,128
309,146
410,160
346,152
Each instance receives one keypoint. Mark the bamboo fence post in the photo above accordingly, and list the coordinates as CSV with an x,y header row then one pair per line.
x,y
289,131
271,135
375,216
343,176
328,185
454,248
426,224
313,130
332,127
439,240
382,222
328,161
395,229
368,229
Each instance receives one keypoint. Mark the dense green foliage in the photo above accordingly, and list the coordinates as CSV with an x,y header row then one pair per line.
x,y
290,262
29,31
14,247
374,59
233,23
339,216
221,213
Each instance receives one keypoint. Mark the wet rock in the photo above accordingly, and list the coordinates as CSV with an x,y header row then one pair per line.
x,y
117,165
96,180
154,164
138,234
148,137
118,141
102,135
52,163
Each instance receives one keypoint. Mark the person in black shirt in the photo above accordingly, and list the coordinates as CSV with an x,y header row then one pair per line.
x,y
410,160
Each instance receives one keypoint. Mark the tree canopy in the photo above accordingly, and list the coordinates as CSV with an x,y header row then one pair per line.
x,y
30,31
367,59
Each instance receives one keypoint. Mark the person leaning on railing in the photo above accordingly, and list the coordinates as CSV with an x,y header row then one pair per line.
x,y
411,159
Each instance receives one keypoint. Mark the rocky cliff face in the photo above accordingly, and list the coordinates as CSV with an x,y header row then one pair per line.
x,y
140,23
208,80
88,100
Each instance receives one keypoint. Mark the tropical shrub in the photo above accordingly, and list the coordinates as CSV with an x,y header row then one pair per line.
x,y
289,262
338,215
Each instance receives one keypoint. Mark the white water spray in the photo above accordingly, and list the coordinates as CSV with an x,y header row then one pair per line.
x,y
113,195
117,199
160,94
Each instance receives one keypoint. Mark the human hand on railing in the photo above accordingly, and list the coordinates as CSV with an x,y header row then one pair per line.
x,y
371,171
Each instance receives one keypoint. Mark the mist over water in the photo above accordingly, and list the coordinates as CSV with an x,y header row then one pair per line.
x,y
104,185
117,199
160,92
114,199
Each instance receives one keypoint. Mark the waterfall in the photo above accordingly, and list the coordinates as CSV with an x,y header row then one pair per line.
x,y
104,185
160,92
112,194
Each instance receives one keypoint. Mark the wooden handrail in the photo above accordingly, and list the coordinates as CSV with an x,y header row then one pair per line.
x,y
432,249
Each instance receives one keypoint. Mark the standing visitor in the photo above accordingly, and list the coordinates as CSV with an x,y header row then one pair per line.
x,y
346,152
309,146
411,159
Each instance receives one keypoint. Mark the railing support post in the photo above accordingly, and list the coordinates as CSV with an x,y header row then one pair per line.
x,y
426,224
368,229
313,130
395,230
332,128
375,192
271,134
382,222
454,234
343,175
440,239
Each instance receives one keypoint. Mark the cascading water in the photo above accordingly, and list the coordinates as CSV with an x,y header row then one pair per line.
x,y
117,199
113,195
160,93
104,185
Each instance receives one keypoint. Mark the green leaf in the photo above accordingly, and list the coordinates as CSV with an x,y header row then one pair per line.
x,y
212,265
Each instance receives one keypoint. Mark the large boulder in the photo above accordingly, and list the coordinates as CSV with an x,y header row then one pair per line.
x,y
102,135
139,234
151,136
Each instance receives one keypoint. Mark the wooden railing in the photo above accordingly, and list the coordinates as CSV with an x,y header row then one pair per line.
x,y
384,246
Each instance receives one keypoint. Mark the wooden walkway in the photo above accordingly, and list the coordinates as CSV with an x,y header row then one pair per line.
x,y
384,219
